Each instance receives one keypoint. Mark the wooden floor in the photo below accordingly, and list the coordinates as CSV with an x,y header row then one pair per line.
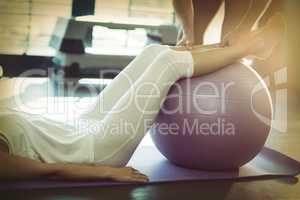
x,y
281,189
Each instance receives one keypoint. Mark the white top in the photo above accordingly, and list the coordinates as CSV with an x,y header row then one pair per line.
x,y
43,139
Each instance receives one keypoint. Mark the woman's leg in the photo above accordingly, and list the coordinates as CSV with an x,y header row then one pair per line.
x,y
121,84
131,117
240,17
276,6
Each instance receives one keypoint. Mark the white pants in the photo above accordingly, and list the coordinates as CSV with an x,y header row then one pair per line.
x,y
128,106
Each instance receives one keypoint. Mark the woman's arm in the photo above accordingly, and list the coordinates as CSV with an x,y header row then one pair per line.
x,y
19,168
185,13
256,10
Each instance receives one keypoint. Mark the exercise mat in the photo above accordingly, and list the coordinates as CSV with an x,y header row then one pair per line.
x,y
147,159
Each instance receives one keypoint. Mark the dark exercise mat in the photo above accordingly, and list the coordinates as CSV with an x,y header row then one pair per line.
x,y
268,164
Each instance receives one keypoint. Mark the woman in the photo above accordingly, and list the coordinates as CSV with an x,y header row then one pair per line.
x,y
32,147
196,15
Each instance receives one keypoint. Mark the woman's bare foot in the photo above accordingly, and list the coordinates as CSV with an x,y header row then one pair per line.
x,y
196,47
263,41
179,48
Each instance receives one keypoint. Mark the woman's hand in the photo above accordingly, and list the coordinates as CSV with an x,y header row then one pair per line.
x,y
234,37
98,172
19,168
187,41
127,174
184,10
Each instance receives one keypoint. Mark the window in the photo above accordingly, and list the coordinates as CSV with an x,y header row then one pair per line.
x,y
117,41
151,12
26,25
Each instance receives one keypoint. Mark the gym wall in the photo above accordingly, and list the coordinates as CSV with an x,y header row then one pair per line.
x,y
26,25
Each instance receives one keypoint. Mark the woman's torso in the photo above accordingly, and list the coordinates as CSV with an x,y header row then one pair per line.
x,y
39,138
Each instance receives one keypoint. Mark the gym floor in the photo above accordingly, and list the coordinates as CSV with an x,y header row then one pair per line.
x,y
36,89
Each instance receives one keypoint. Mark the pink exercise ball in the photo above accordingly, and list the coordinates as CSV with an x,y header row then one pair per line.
x,y
218,121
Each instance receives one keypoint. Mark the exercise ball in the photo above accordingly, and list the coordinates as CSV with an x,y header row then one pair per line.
x,y
219,121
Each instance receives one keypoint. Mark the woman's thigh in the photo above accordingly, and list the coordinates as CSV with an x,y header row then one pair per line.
x,y
122,83
126,124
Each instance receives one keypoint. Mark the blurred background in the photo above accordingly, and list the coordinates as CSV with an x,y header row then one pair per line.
x,y
84,38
